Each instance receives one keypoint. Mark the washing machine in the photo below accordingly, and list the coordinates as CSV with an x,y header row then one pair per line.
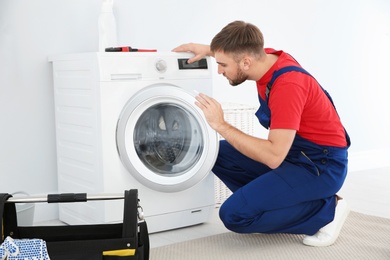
x,y
128,121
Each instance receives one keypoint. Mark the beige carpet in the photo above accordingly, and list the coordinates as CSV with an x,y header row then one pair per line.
x,y
362,237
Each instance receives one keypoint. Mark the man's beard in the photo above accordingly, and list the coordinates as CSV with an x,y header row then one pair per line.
x,y
240,78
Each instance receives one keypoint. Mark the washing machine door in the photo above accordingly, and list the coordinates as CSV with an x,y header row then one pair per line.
x,y
163,139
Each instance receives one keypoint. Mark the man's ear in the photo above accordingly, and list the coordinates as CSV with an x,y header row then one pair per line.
x,y
246,62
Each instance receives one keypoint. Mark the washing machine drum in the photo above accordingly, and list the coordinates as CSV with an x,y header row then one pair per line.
x,y
164,141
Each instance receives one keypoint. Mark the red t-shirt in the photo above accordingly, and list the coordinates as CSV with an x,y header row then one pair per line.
x,y
297,102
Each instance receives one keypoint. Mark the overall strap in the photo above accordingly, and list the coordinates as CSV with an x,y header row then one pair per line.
x,y
277,73
283,70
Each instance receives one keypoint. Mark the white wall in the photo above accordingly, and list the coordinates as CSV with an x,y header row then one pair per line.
x,y
344,44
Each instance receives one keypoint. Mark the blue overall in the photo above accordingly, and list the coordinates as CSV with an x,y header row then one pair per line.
x,y
298,197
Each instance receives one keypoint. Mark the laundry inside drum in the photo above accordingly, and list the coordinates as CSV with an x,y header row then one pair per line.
x,y
168,139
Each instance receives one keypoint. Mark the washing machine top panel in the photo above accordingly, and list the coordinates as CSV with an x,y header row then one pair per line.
x,y
129,66
164,140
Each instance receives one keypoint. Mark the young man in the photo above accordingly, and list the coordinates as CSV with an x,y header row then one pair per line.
x,y
286,183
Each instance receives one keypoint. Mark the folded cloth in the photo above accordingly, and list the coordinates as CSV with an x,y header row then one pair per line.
x,y
23,249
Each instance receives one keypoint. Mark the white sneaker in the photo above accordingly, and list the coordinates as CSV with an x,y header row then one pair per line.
x,y
328,234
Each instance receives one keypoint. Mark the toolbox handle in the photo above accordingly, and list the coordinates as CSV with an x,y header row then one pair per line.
x,y
66,197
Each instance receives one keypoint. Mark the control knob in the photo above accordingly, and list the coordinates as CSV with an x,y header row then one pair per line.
x,y
161,66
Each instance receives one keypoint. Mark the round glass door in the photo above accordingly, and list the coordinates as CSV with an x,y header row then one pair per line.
x,y
163,139
168,139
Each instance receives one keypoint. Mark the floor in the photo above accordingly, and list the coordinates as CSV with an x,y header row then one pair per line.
x,y
367,192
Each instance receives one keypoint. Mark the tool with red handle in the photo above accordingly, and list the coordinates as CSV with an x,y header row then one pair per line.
x,y
127,49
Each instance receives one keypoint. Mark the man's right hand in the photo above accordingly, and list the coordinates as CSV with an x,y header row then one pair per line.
x,y
200,50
